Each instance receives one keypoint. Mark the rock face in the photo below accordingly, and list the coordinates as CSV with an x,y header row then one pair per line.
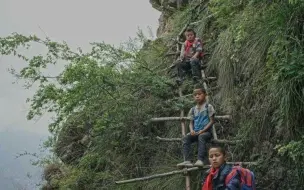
x,y
72,142
52,174
163,4
156,4
162,24
166,7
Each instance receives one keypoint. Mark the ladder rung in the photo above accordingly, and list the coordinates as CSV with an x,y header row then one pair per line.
x,y
224,141
209,78
184,170
169,139
219,117
220,141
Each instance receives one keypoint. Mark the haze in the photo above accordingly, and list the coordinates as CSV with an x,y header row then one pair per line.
x,y
76,22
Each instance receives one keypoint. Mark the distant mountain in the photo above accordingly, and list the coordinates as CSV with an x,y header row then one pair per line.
x,y
19,173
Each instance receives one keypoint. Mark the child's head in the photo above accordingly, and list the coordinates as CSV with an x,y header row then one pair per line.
x,y
199,94
190,34
217,155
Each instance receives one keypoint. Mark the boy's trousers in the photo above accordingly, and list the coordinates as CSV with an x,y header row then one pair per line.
x,y
202,139
186,65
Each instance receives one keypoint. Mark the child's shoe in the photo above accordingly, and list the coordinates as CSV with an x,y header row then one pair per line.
x,y
185,164
199,163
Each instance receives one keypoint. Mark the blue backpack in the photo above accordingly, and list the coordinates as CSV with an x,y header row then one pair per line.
x,y
247,177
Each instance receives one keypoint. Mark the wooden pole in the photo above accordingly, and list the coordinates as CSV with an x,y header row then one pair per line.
x,y
183,171
183,127
217,117
206,88
220,141
182,115
180,93
157,175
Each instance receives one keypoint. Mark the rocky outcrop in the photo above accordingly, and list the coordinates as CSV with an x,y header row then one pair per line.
x,y
52,174
162,24
156,4
72,141
160,5
166,7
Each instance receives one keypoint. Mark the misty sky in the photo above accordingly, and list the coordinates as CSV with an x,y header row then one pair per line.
x,y
74,21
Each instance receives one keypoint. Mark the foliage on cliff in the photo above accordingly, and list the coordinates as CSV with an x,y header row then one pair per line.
x,y
104,98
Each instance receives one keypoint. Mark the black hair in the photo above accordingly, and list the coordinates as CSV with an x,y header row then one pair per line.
x,y
200,87
190,30
220,147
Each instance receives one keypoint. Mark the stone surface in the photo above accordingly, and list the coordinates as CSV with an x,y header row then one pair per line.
x,y
166,7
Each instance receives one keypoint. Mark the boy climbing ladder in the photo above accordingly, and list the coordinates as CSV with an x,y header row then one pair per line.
x,y
190,57
201,121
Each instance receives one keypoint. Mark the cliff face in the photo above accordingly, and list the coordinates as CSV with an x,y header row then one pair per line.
x,y
162,5
167,8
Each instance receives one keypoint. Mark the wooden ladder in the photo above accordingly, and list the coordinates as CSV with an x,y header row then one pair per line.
x,y
182,119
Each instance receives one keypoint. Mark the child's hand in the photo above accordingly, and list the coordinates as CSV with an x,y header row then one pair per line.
x,y
200,132
193,58
192,132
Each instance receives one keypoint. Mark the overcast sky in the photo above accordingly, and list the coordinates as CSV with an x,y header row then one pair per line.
x,y
74,21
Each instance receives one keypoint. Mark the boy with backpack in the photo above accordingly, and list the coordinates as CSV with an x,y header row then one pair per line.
x,y
221,176
190,57
202,119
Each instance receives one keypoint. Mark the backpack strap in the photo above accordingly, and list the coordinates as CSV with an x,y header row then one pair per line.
x,y
223,175
231,175
207,106
193,111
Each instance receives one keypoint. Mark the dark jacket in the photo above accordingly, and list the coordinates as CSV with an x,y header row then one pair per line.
x,y
218,182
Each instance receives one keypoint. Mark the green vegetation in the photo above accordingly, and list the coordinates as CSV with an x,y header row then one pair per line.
x,y
104,98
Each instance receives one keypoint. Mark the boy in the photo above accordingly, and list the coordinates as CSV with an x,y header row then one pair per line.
x,y
217,175
202,119
190,56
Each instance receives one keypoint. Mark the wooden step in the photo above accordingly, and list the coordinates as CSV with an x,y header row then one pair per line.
x,y
217,117
157,175
182,171
210,79
220,141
